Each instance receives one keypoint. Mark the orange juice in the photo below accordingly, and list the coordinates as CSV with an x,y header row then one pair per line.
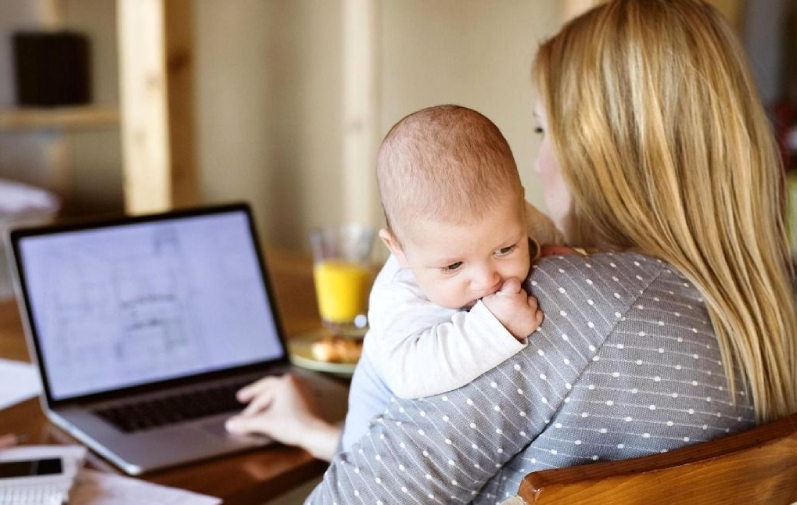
x,y
342,289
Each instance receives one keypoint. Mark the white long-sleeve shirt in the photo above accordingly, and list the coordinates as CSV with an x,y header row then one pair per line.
x,y
422,349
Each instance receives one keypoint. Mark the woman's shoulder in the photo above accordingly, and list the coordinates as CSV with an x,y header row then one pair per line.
x,y
618,267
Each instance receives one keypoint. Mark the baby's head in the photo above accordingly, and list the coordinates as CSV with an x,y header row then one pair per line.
x,y
454,204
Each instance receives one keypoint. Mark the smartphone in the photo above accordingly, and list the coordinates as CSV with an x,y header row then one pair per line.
x,y
30,468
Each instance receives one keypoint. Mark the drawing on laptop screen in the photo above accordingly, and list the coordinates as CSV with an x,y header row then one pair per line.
x,y
138,303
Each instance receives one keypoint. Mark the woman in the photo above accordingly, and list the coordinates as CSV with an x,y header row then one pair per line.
x,y
656,148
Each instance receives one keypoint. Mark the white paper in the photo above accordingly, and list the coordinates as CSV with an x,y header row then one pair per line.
x,y
18,382
98,488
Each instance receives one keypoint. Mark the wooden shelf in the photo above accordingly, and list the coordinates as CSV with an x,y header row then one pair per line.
x,y
59,118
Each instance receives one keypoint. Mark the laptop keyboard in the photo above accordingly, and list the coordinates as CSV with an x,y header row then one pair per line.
x,y
174,408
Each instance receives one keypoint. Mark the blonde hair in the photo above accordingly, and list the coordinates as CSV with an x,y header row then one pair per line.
x,y
445,163
665,147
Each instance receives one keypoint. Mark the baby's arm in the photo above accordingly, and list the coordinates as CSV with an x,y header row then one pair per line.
x,y
423,349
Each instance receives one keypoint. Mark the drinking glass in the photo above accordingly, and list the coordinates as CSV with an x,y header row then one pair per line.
x,y
343,275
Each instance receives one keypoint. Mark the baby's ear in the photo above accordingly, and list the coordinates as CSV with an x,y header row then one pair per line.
x,y
393,244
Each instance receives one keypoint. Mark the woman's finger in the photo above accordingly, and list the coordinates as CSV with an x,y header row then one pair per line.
x,y
240,425
246,393
259,403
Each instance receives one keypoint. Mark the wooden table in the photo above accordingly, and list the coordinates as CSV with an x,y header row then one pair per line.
x,y
249,478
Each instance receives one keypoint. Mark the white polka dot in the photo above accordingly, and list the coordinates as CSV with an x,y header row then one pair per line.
x,y
585,414
476,465
519,391
661,350
564,337
680,339
694,330
469,401
640,277
691,411
620,446
401,409
553,451
517,367
589,281
615,374
617,295
641,333
544,400
423,414
646,435
670,423
640,307
356,493
561,290
588,265
590,324
677,314
426,453
421,432
635,391
542,376
590,302
522,433
448,441
596,358
696,356
561,271
663,451
454,483
636,263
499,431
617,314
595,458
562,313
566,361
522,414
609,403
533,283
657,378
568,385
444,398
675,395
445,418
629,419
694,383
540,352
591,387
592,348
677,367
652,407
378,480
661,323
708,399
401,467
612,265
493,384
615,279
639,362
705,426
497,408
473,425
686,439
404,489
451,462
603,430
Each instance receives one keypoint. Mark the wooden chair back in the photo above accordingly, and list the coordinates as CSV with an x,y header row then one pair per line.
x,y
755,467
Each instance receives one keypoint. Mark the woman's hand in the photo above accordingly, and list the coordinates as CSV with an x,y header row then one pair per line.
x,y
281,408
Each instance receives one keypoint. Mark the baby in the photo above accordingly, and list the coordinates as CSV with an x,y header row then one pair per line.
x,y
448,304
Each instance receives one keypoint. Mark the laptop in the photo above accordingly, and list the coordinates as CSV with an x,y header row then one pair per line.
x,y
143,328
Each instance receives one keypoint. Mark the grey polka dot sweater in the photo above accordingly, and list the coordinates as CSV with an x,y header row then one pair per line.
x,y
626,364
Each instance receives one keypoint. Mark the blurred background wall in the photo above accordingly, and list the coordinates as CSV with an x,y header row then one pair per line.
x,y
269,88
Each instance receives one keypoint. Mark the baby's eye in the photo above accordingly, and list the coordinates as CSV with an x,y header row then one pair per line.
x,y
452,267
506,250
538,130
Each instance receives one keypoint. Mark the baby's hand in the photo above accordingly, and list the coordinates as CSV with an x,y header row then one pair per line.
x,y
517,311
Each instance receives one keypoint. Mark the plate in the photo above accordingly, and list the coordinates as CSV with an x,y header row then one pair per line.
x,y
300,352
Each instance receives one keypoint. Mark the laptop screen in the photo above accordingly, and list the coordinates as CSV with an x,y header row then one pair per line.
x,y
142,302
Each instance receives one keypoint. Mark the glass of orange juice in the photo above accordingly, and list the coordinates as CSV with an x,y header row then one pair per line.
x,y
343,275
